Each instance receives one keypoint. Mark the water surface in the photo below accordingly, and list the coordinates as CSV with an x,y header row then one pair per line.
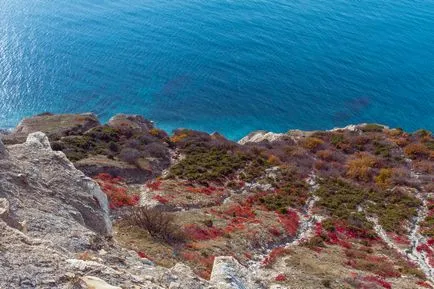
x,y
221,65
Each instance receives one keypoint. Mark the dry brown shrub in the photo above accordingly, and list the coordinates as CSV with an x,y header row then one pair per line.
x,y
360,166
424,166
158,224
416,150
329,155
312,143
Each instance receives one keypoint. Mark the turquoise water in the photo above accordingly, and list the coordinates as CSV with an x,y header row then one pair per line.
x,y
221,65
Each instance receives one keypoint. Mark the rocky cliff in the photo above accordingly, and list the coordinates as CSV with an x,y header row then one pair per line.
x,y
55,229
348,208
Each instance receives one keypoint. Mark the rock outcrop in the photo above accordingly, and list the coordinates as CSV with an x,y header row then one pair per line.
x,y
53,125
260,136
55,229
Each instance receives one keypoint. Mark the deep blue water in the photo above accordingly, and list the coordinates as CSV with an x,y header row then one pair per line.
x,y
221,65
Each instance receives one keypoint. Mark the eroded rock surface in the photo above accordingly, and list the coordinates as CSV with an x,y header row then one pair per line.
x,y
55,229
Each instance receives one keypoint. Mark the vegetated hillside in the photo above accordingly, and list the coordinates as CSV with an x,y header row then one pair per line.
x,y
348,208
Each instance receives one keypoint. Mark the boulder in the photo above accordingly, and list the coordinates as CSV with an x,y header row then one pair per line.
x,y
92,282
46,181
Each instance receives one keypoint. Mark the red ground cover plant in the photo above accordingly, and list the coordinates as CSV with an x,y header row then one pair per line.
x,y
197,233
425,248
204,190
116,191
280,278
154,186
203,264
366,282
377,280
160,199
399,239
424,284
274,255
143,255
378,265
290,222
240,211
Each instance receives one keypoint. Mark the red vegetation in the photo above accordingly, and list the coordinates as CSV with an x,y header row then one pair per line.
x,y
160,199
201,234
203,264
154,185
274,231
280,278
428,251
143,255
240,211
204,190
379,265
399,239
274,255
377,280
424,284
116,192
290,222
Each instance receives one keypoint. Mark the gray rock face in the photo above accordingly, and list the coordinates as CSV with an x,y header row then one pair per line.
x,y
227,273
260,136
3,151
51,214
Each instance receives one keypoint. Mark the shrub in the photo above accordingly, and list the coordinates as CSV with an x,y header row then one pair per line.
x,y
337,139
274,255
130,155
290,222
372,127
360,166
383,179
328,155
197,233
416,150
156,150
213,164
158,224
116,193
312,143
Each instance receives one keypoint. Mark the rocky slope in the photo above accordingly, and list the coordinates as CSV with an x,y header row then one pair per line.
x,y
347,208
55,230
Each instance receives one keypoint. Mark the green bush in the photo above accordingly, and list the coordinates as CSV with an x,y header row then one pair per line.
x,y
212,164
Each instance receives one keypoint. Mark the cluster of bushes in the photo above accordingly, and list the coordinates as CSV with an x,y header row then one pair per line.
x,y
290,191
219,164
214,164
123,145
349,203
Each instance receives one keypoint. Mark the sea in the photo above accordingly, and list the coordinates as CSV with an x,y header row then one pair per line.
x,y
227,66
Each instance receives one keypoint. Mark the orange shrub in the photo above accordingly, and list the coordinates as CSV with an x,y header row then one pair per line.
x,y
273,160
424,166
384,178
416,150
360,166
179,137
312,143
